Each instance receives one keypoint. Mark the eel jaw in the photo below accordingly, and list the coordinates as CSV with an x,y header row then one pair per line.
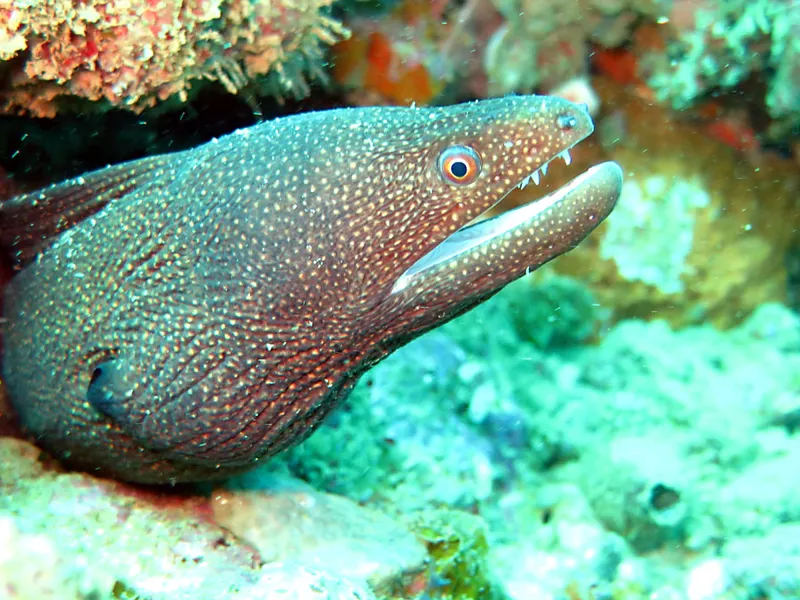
x,y
481,258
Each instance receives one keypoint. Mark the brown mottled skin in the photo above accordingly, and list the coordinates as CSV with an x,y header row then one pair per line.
x,y
181,317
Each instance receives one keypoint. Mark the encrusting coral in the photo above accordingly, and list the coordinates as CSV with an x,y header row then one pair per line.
x,y
701,233
717,45
135,53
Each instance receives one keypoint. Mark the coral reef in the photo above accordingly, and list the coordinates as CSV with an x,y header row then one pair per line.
x,y
133,54
640,466
622,424
652,233
539,47
30,567
706,225
89,538
412,53
735,61
717,45
701,233
647,465
557,312
262,535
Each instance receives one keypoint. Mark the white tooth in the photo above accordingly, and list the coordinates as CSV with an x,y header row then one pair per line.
x,y
535,177
543,168
565,155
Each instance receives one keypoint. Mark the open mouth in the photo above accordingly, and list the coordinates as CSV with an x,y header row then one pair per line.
x,y
560,220
537,175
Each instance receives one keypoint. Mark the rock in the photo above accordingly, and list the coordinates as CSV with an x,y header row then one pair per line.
x,y
638,489
70,535
30,567
287,520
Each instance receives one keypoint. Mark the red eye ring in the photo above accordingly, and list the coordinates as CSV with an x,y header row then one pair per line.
x,y
460,165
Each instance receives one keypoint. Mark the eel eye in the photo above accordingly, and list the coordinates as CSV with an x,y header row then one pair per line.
x,y
460,165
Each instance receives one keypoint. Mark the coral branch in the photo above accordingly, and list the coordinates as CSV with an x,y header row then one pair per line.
x,y
135,53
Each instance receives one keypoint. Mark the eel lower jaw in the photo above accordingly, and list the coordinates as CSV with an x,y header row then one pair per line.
x,y
487,255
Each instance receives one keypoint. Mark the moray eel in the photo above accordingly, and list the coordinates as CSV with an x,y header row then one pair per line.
x,y
182,317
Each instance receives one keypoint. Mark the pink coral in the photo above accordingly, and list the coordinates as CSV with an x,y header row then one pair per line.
x,y
135,52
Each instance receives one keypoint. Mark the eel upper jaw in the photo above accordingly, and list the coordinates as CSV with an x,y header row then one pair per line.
x,y
586,200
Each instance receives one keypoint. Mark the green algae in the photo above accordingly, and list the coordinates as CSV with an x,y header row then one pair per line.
x,y
459,551
347,456
550,312
556,312
122,591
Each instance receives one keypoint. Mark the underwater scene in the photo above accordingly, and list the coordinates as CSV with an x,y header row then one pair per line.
x,y
400,299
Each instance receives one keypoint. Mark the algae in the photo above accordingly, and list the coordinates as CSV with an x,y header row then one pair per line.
x,y
459,552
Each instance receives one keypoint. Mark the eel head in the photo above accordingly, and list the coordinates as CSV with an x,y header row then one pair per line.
x,y
435,256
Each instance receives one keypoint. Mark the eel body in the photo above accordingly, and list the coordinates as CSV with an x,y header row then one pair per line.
x,y
181,317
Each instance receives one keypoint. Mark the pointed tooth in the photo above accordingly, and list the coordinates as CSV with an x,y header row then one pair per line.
x,y
565,155
536,177
543,168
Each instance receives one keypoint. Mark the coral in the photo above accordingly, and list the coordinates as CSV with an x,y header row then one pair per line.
x,y
460,446
597,452
408,55
774,324
766,565
553,312
539,47
30,567
346,457
680,53
133,54
676,450
713,255
693,47
676,482
719,44
405,446
651,232
578,90
554,525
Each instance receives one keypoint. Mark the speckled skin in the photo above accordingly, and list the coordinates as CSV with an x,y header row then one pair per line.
x,y
241,288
